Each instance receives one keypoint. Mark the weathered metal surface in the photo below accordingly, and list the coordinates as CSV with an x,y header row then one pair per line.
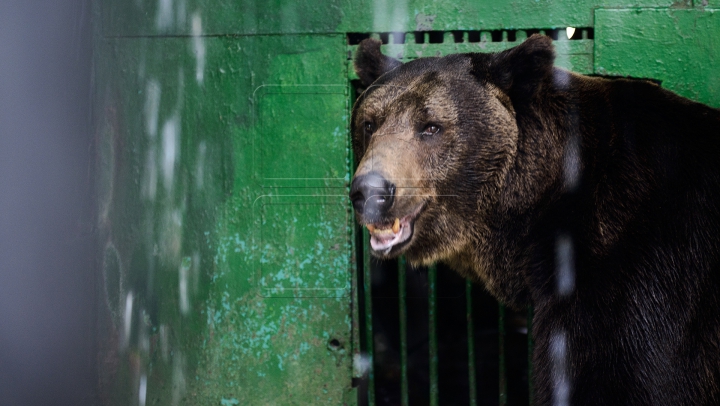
x,y
680,47
423,15
249,17
224,165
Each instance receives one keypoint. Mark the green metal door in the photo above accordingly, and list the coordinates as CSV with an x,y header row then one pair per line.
x,y
225,221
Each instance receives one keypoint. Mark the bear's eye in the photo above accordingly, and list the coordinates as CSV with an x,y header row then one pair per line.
x,y
369,127
431,129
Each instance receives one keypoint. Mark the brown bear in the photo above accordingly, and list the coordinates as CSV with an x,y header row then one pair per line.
x,y
596,200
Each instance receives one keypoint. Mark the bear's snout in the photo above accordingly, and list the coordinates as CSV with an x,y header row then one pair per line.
x,y
372,196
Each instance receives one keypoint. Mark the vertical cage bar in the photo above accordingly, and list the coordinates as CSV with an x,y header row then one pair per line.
x,y
402,295
354,231
369,344
432,302
356,346
501,349
471,345
531,346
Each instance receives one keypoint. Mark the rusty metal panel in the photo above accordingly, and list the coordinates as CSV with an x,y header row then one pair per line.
x,y
680,47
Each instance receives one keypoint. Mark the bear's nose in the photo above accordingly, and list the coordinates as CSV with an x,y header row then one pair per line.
x,y
372,195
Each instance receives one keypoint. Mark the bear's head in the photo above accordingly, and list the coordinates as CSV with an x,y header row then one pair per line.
x,y
436,140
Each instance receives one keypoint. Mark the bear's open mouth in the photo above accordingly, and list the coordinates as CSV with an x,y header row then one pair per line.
x,y
385,236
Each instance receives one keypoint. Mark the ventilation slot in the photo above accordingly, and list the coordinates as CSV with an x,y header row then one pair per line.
x,y
473,36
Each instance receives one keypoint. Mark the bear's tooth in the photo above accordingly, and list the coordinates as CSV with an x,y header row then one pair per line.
x,y
371,227
396,225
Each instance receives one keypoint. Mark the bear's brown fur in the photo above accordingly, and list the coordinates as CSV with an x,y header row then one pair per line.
x,y
594,200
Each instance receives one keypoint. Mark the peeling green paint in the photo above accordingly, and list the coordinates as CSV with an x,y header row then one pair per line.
x,y
239,273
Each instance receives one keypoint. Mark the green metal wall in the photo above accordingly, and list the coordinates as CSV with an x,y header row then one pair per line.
x,y
229,263
680,47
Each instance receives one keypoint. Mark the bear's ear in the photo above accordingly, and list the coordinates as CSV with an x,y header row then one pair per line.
x,y
520,71
370,63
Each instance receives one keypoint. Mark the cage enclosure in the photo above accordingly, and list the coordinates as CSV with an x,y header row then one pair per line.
x,y
233,272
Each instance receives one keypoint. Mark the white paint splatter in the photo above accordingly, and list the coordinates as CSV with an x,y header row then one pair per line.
x,y
198,47
570,31
164,344
280,362
183,288
361,364
152,107
565,264
170,149
151,111
164,19
572,163
200,166
142,391
561,78
558,355
127,319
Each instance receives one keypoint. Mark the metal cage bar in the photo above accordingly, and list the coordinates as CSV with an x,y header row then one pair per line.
x,y
472,383
501,349
432,303
531,346
402,299
367,287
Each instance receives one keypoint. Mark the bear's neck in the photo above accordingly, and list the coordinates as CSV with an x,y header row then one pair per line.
x,y
580,177
544,195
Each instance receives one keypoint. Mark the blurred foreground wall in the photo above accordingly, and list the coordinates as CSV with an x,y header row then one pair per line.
x,y
47,246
